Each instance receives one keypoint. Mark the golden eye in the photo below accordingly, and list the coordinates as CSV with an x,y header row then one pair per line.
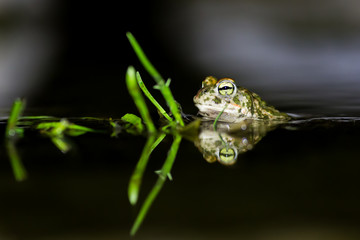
x,y
227,156
226,88
209,81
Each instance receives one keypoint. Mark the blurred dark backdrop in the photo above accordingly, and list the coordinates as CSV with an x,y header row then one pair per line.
x,y
69,58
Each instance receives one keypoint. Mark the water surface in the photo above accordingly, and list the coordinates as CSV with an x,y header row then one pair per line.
x,y
299,179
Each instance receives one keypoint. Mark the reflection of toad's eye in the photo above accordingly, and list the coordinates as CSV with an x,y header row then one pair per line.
x,y
227,156
226,88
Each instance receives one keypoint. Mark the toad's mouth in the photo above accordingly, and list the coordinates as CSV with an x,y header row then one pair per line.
x,y
207,110
212,111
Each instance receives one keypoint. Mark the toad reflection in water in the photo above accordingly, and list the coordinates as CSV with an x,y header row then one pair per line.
x,y
230,139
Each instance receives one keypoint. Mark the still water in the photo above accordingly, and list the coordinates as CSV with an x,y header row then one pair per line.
x,y
253,180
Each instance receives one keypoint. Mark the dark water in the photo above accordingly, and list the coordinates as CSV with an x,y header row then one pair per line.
x,y
299,181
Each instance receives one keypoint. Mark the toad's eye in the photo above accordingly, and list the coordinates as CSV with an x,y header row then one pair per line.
x,y
226,88
227,156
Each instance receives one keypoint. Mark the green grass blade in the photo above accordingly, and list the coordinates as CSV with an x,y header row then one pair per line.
x,y
165,171
166,92
143,59
133,124
36,118
135,93
15,113
151,98
63,126
161,85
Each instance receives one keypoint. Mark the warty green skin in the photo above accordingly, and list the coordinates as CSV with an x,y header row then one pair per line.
x,y
243,105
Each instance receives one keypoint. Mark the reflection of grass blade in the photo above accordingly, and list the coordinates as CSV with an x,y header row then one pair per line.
x,y
15,161
147,204
135,180
166,168
165,171
158,140
151,98
56,131
161,85
61,144
138,99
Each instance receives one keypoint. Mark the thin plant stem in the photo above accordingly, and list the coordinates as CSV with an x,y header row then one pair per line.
x,y
218,116
166,92
135,93
164,173
151,98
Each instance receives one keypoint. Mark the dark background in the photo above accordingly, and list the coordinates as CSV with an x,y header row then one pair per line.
x,y
300,56
83,54
69,59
